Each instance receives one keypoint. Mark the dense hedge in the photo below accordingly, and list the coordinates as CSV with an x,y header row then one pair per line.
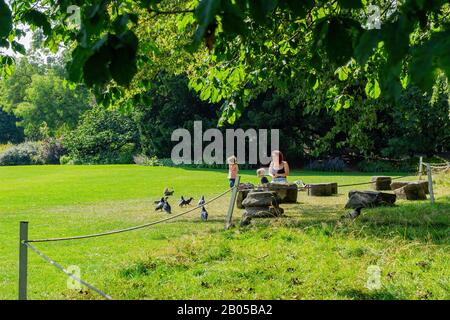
x,y
101,137
31,153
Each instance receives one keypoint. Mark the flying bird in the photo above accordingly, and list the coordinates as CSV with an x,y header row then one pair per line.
x,y
158,201
166,207
201,201
204,214
168,192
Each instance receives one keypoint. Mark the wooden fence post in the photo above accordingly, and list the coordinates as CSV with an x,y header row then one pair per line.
x,y
23,260
420,167
430,183
232,202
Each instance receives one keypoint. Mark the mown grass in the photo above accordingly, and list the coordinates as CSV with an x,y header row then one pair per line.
x,y
310,253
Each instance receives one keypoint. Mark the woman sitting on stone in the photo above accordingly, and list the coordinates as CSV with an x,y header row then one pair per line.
x,y
278,169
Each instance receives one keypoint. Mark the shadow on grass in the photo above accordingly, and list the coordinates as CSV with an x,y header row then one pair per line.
x,y
369,295
412,221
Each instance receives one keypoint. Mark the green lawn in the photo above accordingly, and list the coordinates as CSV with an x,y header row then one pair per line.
x,y
308,254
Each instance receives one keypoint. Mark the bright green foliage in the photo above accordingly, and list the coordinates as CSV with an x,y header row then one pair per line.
x,y
171,106
40,97
270,42
420,124
50,100
102,136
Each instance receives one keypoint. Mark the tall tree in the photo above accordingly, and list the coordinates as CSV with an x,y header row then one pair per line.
x,y
252,44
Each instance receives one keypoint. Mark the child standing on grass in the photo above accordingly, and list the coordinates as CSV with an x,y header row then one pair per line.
x,y
261,173
233,170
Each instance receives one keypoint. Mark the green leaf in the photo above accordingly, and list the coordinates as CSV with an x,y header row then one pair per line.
x,y
373,89
75,65
337,36
96,69
205,14
18,47
259,9
367,44
350,4
299,8
5,19
4,43
123,63
233,19
396,39
343,101
343,73
38,19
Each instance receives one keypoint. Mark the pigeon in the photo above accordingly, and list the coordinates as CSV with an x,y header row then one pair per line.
x,y
201,201
166,207
160,204
168,192
354,214
188,201
158,201
204,214
182,202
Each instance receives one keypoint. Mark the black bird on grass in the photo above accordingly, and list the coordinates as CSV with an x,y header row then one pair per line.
x,y
188,201
160,204
354,214
184,202
204,214
201,201
166,207
168,192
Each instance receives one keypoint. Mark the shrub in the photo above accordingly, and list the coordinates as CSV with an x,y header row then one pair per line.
x,y
51,151
26,153
334,165
103,137
4,147
65,159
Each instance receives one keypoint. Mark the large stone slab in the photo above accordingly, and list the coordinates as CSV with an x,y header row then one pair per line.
x,y
243,190
401,184
321,189
287,192
369,199
411,191
260,204
381,183
259,199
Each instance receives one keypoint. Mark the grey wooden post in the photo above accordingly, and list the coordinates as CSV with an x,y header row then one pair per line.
x,y
420,167
23,260
232,202
430,183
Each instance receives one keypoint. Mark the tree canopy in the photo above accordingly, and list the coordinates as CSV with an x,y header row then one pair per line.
x,y
232,50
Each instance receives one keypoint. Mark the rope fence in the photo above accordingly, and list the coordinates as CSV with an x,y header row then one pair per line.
x,y
25,243
107,233
53,263
412,174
